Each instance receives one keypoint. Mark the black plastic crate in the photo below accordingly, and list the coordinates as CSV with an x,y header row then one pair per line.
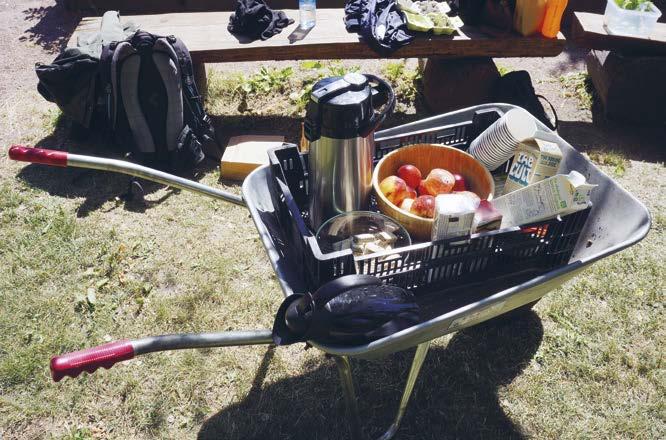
x,y
427,266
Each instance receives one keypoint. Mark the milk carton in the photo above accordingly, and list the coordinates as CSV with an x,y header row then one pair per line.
x,y
558,195
454,216
534,161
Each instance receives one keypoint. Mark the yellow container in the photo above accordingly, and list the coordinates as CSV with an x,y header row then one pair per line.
x,y
528,16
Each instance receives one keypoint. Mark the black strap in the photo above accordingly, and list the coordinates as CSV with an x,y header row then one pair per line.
x,y
556,123
105,79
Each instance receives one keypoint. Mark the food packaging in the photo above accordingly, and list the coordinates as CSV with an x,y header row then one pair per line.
x,y
558,195
486,217
534,161
454,215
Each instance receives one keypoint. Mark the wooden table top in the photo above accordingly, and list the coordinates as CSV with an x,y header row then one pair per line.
x,y
588,31
206,36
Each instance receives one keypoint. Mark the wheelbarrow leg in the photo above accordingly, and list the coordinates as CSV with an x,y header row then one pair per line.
x,y
350,395
419,357
344,368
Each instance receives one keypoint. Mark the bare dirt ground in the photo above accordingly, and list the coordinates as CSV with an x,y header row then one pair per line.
x,y
81,266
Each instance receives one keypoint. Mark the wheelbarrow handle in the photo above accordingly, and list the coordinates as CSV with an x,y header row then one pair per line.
x,y
107,355
90,359
65,159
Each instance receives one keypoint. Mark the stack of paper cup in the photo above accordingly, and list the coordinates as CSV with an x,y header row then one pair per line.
x,y
498,142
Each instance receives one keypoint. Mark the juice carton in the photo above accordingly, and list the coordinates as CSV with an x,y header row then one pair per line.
x,y
534,161
558,195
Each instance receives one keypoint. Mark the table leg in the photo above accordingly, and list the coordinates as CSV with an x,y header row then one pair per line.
x,y
199,71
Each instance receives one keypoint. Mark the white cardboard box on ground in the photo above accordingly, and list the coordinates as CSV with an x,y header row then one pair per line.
x,y
245,153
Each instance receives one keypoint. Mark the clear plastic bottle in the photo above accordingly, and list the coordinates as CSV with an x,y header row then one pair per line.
x,y
307,13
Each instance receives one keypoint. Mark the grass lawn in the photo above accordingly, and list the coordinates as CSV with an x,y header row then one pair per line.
x,y
80,266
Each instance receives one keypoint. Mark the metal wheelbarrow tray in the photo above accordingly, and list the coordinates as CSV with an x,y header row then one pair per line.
x,y
599,232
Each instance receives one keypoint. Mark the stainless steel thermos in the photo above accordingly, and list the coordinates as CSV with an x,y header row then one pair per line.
x,y
340,123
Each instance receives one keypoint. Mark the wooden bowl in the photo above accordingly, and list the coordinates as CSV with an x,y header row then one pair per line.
x,y
426,157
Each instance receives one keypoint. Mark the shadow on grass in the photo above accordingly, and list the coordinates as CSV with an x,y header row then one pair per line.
x,y
456,395
94,186
54,25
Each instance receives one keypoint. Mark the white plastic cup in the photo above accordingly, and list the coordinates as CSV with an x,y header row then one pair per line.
x,y
498,142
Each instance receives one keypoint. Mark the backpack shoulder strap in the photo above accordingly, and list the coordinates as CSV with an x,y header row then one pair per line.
x,y
198,120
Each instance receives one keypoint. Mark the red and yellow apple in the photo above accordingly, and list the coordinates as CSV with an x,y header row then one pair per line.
x,y
422,190
395,189
439,181
410,174
407,204
423,206
460,183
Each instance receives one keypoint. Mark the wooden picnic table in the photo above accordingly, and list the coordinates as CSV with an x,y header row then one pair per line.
x,y
588,31
206,36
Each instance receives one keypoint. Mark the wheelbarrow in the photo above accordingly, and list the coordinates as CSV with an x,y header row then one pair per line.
x,y
458,282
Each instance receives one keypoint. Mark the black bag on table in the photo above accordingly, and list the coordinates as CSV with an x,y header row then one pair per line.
x,y
152,105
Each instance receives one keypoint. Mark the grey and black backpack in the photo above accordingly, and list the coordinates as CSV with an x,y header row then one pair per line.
x,y
152,104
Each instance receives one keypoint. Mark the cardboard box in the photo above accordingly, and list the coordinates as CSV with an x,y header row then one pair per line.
x,y
534,161
558,195
245,153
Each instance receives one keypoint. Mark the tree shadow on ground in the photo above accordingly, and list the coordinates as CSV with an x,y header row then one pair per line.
x,y
287,126
54,25
456,395
631,140
94,186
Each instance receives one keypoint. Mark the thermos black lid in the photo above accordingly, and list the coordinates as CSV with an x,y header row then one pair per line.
x,y
339,107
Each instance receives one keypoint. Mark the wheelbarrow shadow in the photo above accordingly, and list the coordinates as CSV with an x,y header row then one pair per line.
x,y
94,186
456,395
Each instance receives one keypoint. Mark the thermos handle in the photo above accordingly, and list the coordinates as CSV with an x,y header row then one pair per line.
x,y
379,117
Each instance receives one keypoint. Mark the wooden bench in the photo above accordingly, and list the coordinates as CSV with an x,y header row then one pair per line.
x,y
206,36
588,31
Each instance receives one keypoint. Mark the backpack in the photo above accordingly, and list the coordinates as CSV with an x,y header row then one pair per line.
x,y
151,102
516,88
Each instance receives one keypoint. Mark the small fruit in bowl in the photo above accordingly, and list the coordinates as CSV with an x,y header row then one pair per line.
x,y
407,204
410,174
439,181
395,189
422,190
460,183
423,206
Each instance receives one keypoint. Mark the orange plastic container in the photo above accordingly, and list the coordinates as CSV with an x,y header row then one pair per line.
x,y
553,18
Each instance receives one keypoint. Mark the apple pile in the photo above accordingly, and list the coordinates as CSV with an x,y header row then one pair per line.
x,y
410,192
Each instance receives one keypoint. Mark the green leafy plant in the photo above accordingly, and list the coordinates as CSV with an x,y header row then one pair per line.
x,y
635,5
405,82
266,80
301,96
579,85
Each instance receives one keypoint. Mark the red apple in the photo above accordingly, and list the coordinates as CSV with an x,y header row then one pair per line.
x,y
411,193
395,189
422,190
423,206
460,184
439,181
407,204
410,174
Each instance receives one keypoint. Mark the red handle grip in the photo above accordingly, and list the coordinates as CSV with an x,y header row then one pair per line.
x,y
73,364
38,155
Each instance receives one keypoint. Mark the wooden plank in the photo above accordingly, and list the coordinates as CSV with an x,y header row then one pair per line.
x,y
588,31
207,38
163,6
